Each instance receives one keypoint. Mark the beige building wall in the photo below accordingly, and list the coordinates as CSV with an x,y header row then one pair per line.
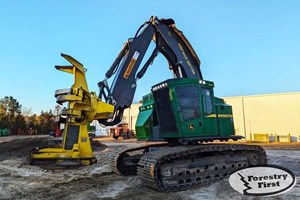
x,y
130,115
274,113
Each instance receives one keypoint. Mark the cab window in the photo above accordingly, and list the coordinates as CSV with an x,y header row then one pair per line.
x,y
189,101
207,101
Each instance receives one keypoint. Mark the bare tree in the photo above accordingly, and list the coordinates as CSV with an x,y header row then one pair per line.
x,y
26,111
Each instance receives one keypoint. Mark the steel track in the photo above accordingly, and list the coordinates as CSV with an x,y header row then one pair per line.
x,y
184,167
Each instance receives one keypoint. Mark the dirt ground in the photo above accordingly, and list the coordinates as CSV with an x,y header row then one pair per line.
x,y
18,180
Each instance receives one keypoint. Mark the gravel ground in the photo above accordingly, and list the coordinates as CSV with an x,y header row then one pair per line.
x,y
18,180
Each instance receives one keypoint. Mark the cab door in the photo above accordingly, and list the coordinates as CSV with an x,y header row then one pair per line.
x,y
189,110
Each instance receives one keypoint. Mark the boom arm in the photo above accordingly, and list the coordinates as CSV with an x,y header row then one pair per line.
x,y
170,41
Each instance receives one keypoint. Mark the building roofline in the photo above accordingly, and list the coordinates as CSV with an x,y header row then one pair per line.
x,y
262,95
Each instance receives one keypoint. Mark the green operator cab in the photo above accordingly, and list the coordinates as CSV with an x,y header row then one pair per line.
x,y
184,111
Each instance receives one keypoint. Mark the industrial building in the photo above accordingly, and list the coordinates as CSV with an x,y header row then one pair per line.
x,y
270,113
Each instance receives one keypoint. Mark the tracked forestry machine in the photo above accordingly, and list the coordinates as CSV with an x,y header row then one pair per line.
x,y
178,116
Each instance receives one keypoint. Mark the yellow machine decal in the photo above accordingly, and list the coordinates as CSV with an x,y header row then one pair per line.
x,y
220,115
131,65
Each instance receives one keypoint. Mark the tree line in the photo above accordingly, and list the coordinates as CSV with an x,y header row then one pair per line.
x,y
22,122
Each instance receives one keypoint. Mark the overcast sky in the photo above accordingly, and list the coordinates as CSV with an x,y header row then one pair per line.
x,y
246,47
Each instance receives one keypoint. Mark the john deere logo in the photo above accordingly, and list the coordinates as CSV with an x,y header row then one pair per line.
x,y
191,127
262,180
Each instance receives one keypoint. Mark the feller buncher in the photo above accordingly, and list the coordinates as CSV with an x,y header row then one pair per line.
x,y
182,112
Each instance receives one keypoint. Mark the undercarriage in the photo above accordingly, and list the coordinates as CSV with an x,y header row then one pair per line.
x,y
174,168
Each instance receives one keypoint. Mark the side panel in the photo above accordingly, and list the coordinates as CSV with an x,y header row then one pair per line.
x,y
209,111
225,119
146,119
144,124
